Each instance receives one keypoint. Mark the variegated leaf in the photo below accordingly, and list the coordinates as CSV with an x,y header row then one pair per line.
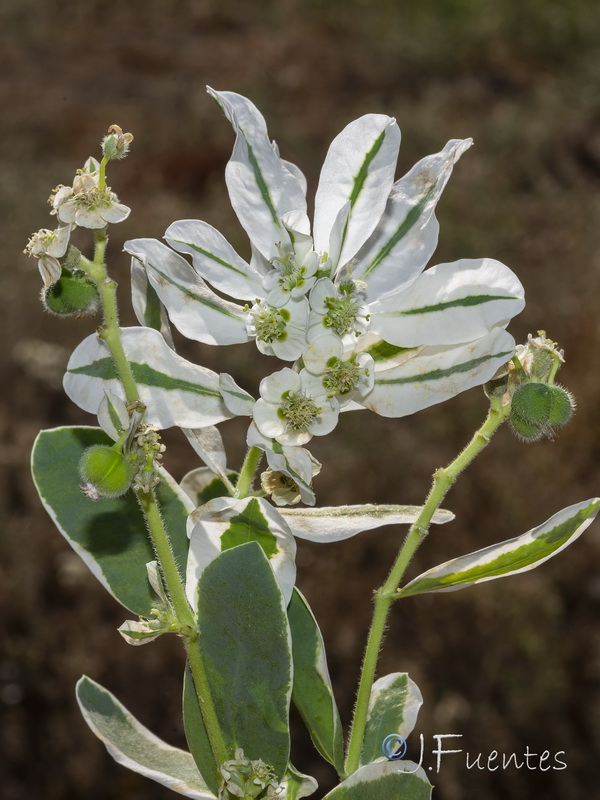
x,y
174,391
511,557
133,746
334,523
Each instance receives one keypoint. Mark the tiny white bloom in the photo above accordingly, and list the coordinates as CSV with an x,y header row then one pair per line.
x,y
279,331
349,376
85,204
48,246
294,407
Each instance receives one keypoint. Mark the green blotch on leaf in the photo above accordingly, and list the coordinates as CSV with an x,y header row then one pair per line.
x,y
250,526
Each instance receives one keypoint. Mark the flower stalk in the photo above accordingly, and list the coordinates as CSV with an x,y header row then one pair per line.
x,y
390,591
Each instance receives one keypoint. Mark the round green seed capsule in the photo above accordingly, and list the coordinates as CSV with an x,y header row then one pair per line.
x,y
71,295
532,403
104,472
526,431
562,406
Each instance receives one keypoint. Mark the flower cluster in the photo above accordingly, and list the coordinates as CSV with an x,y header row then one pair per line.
x,y
347,302
88,203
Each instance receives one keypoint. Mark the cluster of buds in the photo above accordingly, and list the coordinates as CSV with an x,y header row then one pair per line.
x,y
243,778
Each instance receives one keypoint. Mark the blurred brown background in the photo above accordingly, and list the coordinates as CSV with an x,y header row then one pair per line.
x,y
510,664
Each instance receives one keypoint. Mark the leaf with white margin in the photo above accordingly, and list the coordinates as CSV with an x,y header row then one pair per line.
x,y
202,485
335,523
511,557
195,310
387,780
113,417
174,391
394,705
208,444
261,188
435,374
215,259
149,311
109,536
407,234
295,785
458,302
313,693
359,170
225,522
135,747
237,400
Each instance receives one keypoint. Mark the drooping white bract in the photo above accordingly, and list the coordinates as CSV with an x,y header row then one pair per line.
x,y
410,336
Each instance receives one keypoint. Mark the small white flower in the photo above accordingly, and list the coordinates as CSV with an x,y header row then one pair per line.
x,y
85,204
48,246
294,407
279,331
341,309
348,376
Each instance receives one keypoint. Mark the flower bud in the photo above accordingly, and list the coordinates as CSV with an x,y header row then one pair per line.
x,y
116,144
105,472
71,295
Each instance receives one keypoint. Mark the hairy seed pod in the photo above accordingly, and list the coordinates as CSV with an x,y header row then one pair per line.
x,y
70,296
105,472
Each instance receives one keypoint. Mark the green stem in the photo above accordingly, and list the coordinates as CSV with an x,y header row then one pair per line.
x,y
244,482
110,332
166,558
385,596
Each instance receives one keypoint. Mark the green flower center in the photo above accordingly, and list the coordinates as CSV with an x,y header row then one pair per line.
x,y
298,410
341,314
95,198
341,376
291,276
270,323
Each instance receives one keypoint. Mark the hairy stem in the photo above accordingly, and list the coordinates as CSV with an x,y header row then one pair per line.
x,y
385,596
244,483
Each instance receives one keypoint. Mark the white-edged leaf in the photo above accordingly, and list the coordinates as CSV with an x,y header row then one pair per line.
x,y
334,523
237,400
359,170
313,693
195,310
407,234
112,415
385,780
511,557
261,188
449,303
208,444
226,522
215,259
435,374
174,391
149,310
295,785
135,747
394,705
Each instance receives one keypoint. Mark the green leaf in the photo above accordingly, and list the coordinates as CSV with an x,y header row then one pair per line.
x,y
511,557
387,780
393,708
245,642
313,693
197,736
109,535
134,746
296,785
250,525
